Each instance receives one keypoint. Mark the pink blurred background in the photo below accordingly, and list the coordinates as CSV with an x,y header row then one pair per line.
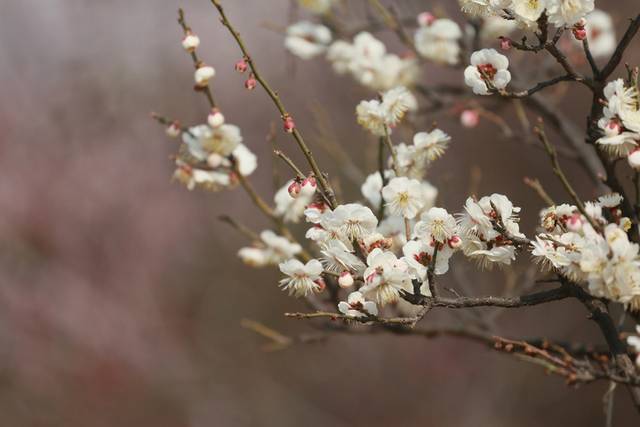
x,y
120,293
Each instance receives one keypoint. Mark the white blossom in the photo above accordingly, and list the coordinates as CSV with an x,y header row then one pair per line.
x,y
437,223
307,40
431,145
568,12
289,208
487,66
385,277
439,41
357,306
601,34
403,196
301,278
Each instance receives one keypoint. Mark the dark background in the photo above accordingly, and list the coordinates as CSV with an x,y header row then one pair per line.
x,y
120,293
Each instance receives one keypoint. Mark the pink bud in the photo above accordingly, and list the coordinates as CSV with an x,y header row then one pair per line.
x,y
425,19
173,130
251,83
294,189
505,43
613,128
345,280
469,118
320,282
288,124
241,66
580,33
309,186
455,242
574,223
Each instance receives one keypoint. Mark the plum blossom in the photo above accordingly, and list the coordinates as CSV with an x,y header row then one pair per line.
x,y
357,306
488,70
568,12
302,279
367,60
378,116
289,208
600,33
385,277
271,250
337,258
438,41
437,223
403,196
307,40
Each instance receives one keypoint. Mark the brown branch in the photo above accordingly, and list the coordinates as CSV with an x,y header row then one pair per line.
x,y
322,181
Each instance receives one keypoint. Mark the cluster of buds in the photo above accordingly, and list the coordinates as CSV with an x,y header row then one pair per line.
x,y
203,74
579,31
305,187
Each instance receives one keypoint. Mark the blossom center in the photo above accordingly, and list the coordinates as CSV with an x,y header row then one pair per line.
x,y
487,71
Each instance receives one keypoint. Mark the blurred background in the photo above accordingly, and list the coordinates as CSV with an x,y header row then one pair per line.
x,y
121,297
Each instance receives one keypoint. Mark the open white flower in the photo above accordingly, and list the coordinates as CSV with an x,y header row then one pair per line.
x,y
271,250
357,306
307,40
528,11
385,277
439,41
601,34
337,258
431,144
202,140
487,66
355,220
403,196
568,12
246,161
396,102
437,223
372,116
302,278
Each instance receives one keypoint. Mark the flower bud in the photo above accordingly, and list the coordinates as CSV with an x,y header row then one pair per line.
x,y
613,128
345,280
505,43
215,160
320,282
581,23
289,124
309,186
425,19
241,66
203,74
173,130
251,83
294,189
469,118
190,42
574,223
215,118
580,33
455,242
634,159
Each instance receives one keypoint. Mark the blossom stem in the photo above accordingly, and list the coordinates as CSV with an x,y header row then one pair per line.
x,y
322,180
539,131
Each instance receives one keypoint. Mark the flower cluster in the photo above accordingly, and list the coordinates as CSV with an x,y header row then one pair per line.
x,y
438,40
488,227
526,12
603,257
620,124
379,116
366,59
